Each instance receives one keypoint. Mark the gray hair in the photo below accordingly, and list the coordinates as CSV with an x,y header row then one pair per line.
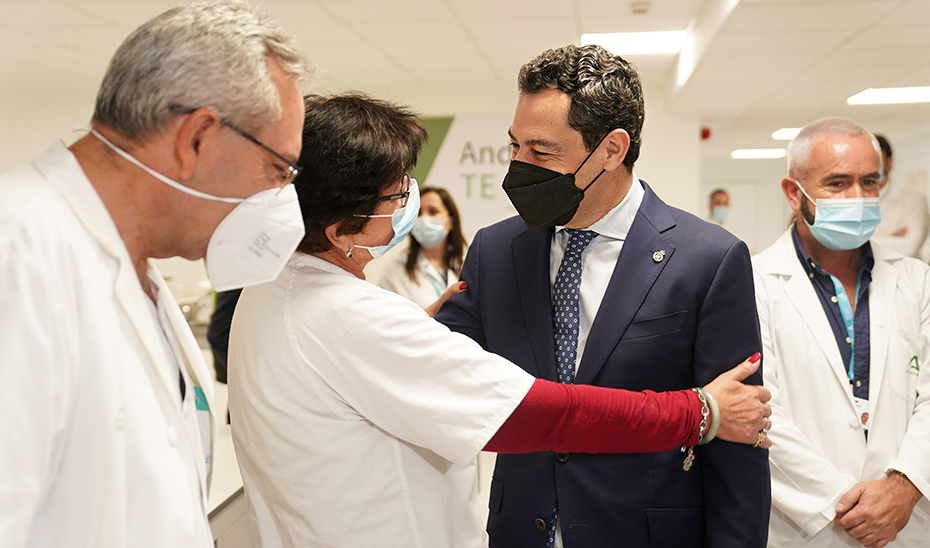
x,y
605,91
207,54
799,149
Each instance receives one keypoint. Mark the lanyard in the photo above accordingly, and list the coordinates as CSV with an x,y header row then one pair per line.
x,y
848,318
437,283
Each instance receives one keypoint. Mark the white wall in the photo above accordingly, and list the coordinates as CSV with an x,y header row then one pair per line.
x,y
670,156
759,213
32,121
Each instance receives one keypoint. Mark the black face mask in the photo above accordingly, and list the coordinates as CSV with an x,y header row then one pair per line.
x,y
544,197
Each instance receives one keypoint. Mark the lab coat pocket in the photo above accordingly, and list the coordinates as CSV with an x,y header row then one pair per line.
x,y
675,526
908,352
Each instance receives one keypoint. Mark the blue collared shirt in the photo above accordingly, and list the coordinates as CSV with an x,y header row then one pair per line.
x,y
825,288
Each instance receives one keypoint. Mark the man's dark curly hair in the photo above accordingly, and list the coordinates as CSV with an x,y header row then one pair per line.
x,y
355,148
605,90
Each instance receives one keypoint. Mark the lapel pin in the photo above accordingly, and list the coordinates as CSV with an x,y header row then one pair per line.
x,y
657,256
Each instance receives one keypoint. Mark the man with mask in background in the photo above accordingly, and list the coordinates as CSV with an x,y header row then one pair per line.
x,y
600,282
718,206
104,395
845,326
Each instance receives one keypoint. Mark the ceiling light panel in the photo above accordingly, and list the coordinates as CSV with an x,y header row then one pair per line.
x,y
758,153
786,133
888,96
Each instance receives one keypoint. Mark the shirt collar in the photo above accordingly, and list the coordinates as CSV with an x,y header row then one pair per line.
x,y
616,223
812,267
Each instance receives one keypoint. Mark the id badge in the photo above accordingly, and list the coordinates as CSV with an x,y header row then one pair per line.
x,y
203,419
862,409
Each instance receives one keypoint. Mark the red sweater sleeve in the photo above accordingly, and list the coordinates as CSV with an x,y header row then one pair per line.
x,y
580,418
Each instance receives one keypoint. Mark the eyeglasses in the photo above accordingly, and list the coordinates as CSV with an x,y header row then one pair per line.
x,y
402,196
288,174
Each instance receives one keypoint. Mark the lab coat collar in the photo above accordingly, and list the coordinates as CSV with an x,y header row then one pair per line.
x,y
430,270
62,170
782,260
193,361
60,167
304,260
881,301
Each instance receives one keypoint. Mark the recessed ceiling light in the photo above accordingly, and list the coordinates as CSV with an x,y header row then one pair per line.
x,y
786,133
757,153
633,43
885,96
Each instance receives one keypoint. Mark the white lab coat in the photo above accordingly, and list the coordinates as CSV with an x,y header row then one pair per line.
x,y
427,285
819,450
97,450
356,417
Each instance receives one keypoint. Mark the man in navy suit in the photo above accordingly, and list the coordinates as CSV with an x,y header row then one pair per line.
x,y
665,302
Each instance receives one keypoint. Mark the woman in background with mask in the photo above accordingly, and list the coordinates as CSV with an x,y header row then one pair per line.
x,y
359,417
436,249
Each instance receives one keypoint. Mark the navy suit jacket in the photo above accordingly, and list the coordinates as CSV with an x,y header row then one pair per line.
x,y
666,325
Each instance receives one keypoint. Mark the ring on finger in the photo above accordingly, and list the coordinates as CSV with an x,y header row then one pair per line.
x,y
761,439
768,424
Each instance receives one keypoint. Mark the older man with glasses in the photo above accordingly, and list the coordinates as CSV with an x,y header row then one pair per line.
x,y
104,395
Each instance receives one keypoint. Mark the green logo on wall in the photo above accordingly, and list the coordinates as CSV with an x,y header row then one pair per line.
x,y
438,127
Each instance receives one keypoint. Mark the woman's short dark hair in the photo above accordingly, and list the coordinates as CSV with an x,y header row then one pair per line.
x,y
454,252
605,91
354,149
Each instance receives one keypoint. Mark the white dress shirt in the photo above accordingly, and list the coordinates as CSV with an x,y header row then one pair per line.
x,y
598,261
599,258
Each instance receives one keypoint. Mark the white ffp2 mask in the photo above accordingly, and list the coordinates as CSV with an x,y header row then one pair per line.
x,y
253,242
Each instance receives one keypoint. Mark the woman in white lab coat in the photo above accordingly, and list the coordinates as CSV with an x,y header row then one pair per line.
x,y
436,249
357,418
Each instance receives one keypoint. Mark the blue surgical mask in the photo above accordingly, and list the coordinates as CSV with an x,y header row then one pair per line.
x,y
720,213
429,231
402,221
844,223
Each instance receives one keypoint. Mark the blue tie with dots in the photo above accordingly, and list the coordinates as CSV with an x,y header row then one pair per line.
x,y
566,320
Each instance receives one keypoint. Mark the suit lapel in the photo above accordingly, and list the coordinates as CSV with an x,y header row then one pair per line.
x,y
633,277
531,262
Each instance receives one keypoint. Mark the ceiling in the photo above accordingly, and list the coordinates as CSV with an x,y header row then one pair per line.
x,y
760,64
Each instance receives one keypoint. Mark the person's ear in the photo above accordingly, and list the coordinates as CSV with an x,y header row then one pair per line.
x,y
342,242
617,144
792,193
197,136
